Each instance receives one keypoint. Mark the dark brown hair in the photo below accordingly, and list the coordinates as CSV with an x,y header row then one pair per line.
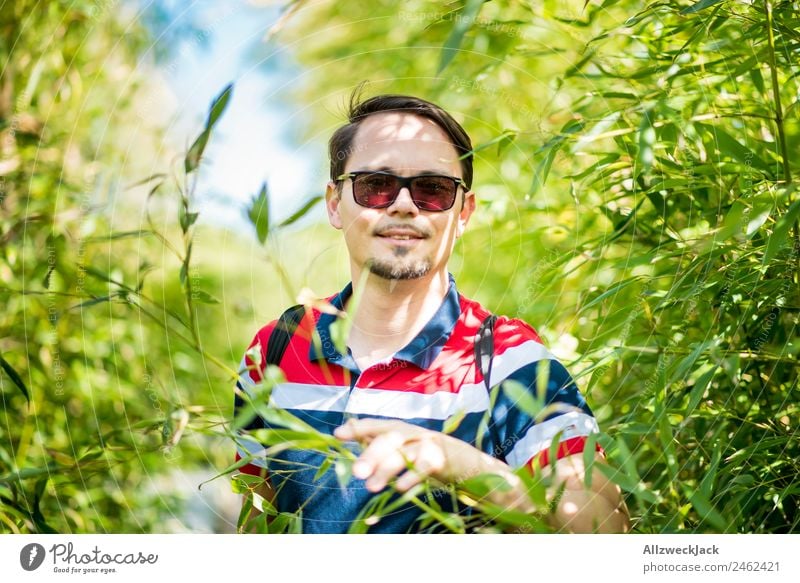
x,y
341,142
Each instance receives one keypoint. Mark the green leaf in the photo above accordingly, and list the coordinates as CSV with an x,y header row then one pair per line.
x,y
203,297
780,234
699,389
728,145
612,291
192,160
323,467
707,483
15,378
186,218
502,141
462,24
37,516
94,301
638,489
647,140
698,6
27,473
46,280
575,68
482,485
543,170
705,508
589,457
522,398
113,236
299,214
688,363
452,422
344,471
667,444
218,106
550,149
259,213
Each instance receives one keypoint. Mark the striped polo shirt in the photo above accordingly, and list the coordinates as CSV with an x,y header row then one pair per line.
x,y
429,381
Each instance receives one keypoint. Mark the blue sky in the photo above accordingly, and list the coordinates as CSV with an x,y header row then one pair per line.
x,y
257,139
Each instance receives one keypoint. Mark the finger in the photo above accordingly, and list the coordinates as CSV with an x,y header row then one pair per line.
x,y
363,429
388,467
428,459
408,480
382,449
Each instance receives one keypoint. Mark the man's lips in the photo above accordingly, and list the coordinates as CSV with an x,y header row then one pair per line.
x,y
401,234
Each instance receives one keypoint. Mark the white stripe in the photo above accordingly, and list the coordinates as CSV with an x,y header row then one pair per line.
x,y
540,436
245,379
513,359
309,397
471,398
407,405
247,446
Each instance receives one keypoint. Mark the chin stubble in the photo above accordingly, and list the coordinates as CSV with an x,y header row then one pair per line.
x,y
398,270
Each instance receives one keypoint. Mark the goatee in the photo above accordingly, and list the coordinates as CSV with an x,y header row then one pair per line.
x,y
398,270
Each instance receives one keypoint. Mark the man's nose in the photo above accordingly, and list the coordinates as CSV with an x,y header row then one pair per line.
x,y
403,204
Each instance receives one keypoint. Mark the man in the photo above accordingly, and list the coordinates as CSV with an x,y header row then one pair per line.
x,y
401,173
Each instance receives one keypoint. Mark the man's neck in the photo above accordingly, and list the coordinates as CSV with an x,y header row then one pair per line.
x,y
390,313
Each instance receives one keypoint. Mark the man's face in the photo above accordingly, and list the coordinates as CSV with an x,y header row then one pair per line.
x,y
400,241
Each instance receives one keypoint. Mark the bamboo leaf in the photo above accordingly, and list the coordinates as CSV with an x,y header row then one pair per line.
x,y
15,378
780,234
522,398
344,471
218,106
647,140
203,297
302,211
192,159
728,145
698,6
550,149
259,213
705,509
462,24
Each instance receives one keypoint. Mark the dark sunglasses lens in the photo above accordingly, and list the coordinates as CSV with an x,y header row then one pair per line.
x,y
375,190
433,193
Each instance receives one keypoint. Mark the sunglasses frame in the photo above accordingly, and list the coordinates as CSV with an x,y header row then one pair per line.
x,y
405,182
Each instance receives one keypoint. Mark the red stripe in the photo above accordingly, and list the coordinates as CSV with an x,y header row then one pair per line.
x,y
567,447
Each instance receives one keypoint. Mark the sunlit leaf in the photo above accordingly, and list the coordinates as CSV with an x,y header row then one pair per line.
x,y
258,212
462,24
698,6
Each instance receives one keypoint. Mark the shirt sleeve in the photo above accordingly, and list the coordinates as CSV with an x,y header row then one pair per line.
x,y
526,419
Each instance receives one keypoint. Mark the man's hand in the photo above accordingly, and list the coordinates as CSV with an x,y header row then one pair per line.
x,y
394,448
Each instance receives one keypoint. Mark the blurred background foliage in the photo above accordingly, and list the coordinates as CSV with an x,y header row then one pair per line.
x,y
636,167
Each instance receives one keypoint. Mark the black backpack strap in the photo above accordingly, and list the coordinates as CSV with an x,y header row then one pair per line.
x,y
276,346
484,349
282,333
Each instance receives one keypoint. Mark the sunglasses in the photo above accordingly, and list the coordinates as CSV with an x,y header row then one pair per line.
x,y
378,190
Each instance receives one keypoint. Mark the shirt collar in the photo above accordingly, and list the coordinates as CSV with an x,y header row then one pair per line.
x,y
421,351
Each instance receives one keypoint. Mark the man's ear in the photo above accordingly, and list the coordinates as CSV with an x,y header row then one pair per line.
x,y
466,212
333,197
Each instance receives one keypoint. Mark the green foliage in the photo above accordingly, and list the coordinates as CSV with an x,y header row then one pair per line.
x,y
640,209
643,203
